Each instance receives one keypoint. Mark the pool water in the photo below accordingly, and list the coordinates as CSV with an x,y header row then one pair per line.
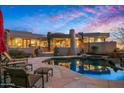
x,y
91,68
119,75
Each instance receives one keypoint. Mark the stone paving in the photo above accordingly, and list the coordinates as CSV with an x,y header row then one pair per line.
x,y
65,78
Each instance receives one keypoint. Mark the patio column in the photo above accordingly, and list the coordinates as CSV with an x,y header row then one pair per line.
x,y
49,40
7,38
72,42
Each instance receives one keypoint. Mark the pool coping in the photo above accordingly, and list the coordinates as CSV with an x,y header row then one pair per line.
x,y
68,57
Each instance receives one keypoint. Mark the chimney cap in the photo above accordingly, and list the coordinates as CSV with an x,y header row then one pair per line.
x,y
72,29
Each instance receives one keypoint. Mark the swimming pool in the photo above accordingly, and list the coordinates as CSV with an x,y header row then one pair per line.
x,y
97,68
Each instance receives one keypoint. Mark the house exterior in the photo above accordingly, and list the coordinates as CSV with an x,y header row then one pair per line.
x,y
86,41
24,41
67,43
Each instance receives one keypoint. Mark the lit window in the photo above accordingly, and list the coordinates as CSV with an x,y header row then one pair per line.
x,y
33,42
18,42
85,40
99,40
91,40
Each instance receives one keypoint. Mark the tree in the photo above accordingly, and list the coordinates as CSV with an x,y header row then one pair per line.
x,y
119,34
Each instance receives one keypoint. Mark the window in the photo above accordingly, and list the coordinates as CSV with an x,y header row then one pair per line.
x,y
18,43
61,42
85,39
11,45
88,39
33,42
91,39
43,43
99,40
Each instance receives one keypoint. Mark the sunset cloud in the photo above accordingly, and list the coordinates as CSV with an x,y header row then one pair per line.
x,y
91,10
97,18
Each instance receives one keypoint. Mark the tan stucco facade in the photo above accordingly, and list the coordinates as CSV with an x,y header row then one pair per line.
x,y
71,43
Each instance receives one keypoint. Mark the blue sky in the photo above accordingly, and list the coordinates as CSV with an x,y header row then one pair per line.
x,y
43,19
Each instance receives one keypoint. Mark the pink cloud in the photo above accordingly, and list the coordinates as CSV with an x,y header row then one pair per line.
x,y
77,14
112,8
59,16
102,9
121,7
92,11
103,25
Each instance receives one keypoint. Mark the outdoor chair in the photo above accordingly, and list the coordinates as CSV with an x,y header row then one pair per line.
x,y
20,78
9,58
9,61
44,71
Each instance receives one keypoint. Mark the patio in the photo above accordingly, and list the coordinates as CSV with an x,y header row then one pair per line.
x,y
65,78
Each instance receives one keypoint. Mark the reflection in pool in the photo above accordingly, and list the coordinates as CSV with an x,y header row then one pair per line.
x,y
92,68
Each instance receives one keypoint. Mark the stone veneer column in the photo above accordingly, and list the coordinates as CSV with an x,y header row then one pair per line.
x,y
7,38
49,40
72,42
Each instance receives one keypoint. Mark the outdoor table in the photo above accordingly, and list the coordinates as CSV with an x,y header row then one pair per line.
x,y
44,71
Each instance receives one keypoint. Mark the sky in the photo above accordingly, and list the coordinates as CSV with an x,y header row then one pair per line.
x,y
60,18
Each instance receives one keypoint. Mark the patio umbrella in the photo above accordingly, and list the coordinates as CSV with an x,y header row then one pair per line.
x,y
2,43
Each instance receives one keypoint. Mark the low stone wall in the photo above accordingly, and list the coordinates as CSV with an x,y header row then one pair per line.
x,y
66,51
29,50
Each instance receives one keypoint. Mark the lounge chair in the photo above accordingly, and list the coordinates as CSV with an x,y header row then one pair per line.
x,y
20,78
10,59
23,62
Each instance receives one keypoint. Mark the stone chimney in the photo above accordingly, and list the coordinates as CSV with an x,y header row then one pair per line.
x,y
49,40
72,42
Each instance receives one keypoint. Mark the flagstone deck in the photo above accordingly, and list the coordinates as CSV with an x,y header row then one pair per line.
x,y
65,78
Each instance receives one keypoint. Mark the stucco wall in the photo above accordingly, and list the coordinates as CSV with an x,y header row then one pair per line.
x,y
66,51
103,48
